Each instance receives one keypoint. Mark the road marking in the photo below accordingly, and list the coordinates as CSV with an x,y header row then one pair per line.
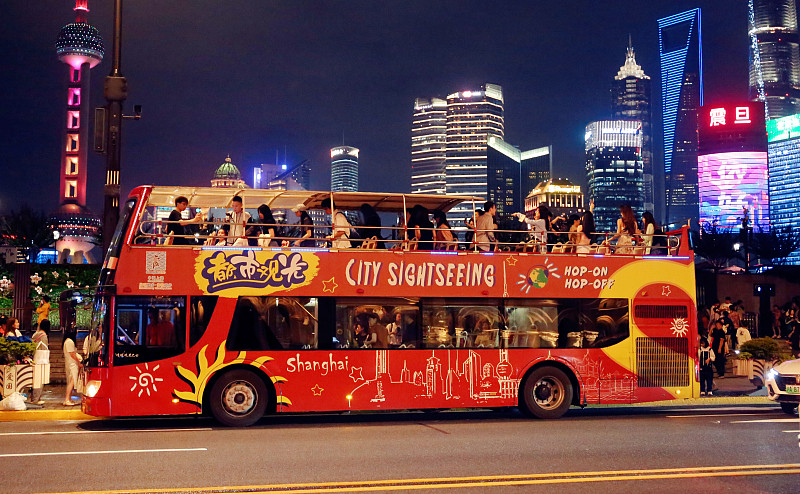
x,y
434,428
46,433
487,481
688,416
766,409
770,421
792,432
110,452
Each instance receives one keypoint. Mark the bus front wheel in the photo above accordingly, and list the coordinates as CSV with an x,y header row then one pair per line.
x,y
789,408
238,398
546,393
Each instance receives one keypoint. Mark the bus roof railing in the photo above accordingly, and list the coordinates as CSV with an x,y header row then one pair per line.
x,y
214,197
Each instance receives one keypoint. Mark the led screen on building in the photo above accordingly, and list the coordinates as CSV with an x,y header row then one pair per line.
x,y
729,184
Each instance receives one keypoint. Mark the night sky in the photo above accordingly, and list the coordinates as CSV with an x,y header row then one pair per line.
x,y
249,77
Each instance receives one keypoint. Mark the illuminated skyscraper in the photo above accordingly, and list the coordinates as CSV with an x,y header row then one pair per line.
x,y
680,48
783,135
614,169
344,169
512,174
630,100
428,142
775,56
472,117
80,46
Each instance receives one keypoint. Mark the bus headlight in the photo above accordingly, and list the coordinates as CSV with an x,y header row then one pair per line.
x,y
92,387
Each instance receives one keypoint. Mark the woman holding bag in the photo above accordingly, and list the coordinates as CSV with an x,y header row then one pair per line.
x,y
72,362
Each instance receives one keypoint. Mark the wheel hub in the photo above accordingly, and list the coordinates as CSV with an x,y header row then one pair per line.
x,y
239,397
548,393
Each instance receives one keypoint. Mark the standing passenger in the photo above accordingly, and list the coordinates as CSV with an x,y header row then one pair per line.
x,y
443,236
421,227
484,237
306,227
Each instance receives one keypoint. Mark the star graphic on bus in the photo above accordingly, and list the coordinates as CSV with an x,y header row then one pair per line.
x,y
145,380
355,374
329,285
665,291
317,390
511,260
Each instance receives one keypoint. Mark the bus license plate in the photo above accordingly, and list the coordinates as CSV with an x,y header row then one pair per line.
x,y
793,389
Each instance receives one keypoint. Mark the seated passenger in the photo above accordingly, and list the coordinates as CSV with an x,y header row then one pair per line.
x,y
306,227
443,236
420,227
361,335
371,226
159,331
485,336
379,335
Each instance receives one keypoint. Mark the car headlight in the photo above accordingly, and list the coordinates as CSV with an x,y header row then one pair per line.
x,y
92,387
772,374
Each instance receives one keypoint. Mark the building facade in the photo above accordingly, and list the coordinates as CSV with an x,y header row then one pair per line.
x,y
630,100
732,165
344,169
511,174
473,116
680,49
428,146
783,135
775,56
559,195
614,169
228,175
75,228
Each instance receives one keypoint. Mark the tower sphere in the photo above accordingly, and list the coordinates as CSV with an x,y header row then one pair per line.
x,y
80,43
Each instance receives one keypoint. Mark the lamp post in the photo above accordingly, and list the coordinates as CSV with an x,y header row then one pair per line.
x,y
115,91
745,234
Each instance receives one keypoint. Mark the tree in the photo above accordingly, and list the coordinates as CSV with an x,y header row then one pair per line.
x,y
26,229
716,246
777,244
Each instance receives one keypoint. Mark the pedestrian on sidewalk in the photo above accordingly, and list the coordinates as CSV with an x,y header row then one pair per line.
x,y
41,361
742,335
705,355
718,345
72,362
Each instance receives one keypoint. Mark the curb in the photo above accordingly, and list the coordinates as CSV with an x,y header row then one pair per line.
x,y
34,415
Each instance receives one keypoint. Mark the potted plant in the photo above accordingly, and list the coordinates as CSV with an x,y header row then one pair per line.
x,y
759,356
15,365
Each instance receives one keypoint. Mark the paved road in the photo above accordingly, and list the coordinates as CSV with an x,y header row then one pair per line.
x,y
690,449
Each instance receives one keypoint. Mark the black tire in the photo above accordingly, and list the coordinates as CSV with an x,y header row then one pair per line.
x,y
789,408
546,393
238,398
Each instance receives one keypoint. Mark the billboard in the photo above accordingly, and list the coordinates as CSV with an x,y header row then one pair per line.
x,y
783,129
732,185
731,127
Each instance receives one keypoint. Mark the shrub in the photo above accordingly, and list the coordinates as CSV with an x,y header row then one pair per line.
x,y
762,348
13,352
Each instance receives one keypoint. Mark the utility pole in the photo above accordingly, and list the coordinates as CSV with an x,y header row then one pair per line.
x,y
115,91
745,233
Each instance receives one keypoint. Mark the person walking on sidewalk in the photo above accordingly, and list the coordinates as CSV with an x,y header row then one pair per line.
x,y
705,355
718,345
72,362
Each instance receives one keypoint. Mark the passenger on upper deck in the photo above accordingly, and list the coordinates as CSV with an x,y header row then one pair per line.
x,y
371,225
540,224
653,237
585,230
626,229
420,227
175,228
444,235
340,236
239,217
485,226
263,233
306,227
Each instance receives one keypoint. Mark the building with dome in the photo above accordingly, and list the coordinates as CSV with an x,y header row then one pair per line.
x,y
559,195
228,175
75,228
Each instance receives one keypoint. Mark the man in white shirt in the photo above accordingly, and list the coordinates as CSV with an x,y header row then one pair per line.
x,y
340,237
238,220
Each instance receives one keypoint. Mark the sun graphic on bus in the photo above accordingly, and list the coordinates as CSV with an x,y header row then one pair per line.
x,y
538,276
145,380
680,327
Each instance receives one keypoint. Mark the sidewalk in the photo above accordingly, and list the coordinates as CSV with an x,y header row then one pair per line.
x,y
729,390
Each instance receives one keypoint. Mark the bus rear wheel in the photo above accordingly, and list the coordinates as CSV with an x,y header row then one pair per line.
x,y
789,408
546,393
238,398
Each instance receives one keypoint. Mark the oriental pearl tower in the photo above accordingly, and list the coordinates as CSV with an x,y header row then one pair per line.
x,y
75,229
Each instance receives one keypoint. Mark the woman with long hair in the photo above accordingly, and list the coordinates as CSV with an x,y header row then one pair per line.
x,y
585,230
626,229
12,327
72,362
263,234
371,225
420,227
540,224
443,236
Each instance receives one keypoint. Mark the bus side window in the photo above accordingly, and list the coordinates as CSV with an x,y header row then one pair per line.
x,y
149,328
273,323
603,322
534,323
202,308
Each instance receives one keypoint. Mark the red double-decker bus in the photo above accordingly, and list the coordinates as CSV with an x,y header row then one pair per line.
x,y
240,327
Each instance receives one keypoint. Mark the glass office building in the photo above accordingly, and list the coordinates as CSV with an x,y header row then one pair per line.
x,y
344,169
512,174
775,56
783,135
614,169
473,116
680,49
428,146
630,100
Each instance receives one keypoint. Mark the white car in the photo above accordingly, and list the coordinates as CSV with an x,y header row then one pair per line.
x,y
783,385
